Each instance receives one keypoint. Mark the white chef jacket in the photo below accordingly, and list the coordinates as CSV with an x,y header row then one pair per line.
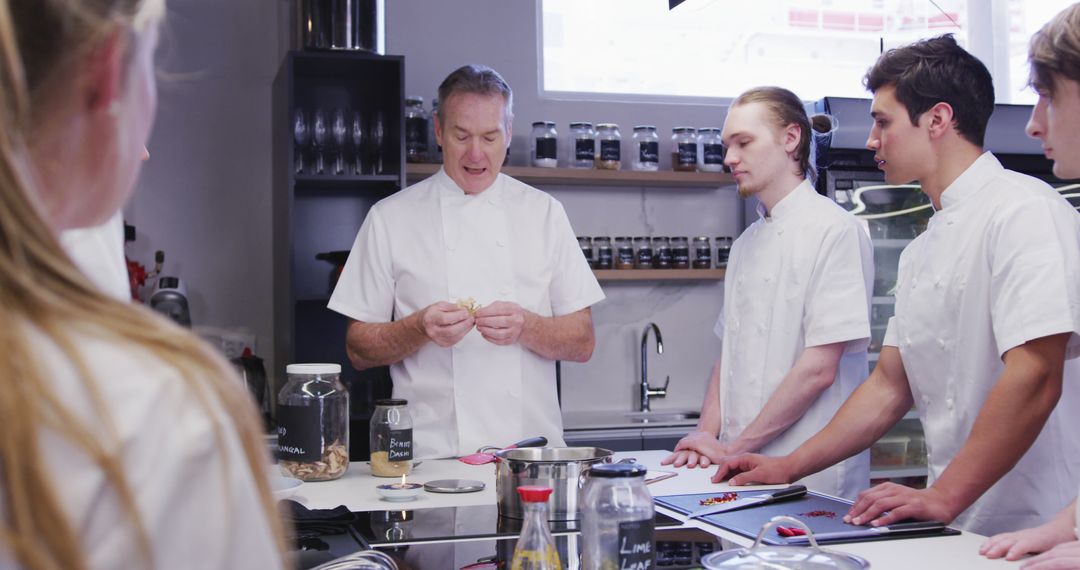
x,y
196,498
798,277
99,252
432,242
998,265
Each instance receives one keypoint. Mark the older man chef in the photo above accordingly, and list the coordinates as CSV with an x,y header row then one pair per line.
x,y
795,324
472,377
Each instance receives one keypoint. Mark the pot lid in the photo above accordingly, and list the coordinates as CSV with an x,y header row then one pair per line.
x,y
796,557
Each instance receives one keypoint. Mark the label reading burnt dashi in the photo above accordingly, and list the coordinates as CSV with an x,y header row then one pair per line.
x,y
610,151
416,134
400,444
649,152
636,545
546,148
584,149
687,154
713,153
299,433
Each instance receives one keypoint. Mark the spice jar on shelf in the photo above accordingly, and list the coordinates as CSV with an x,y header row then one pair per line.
x,y
586,245
609,157
680,253
712,150
684,149
604,254
624,253
646,148
545,139
643,253
661,252
391,438
313,423
702,253
416,130
723,250
583,141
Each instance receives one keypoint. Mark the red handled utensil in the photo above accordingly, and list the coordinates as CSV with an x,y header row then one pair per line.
x,y
486,454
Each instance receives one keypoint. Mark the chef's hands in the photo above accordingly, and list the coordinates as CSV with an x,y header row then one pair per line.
x,y
445,323
501,322
1043,538
1064,555
748,468
901,503
697,448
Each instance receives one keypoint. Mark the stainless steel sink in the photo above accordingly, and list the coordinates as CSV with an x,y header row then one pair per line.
x,y
660,416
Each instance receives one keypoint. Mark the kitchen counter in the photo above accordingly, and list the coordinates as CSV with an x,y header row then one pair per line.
x,y
617,419
356,490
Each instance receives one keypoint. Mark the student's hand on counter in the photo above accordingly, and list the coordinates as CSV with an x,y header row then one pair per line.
x,y
698,448
1014,545
901,503
1064,555
446,323
749,468
501,322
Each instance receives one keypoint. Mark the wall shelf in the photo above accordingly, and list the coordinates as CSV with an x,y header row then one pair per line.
x,y
659,274
595,177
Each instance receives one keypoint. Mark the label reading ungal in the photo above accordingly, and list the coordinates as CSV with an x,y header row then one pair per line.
x,y
299,433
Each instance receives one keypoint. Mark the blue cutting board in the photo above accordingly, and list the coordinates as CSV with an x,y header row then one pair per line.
x,y
748,521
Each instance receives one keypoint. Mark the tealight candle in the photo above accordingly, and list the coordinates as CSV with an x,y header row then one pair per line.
x,y
402,491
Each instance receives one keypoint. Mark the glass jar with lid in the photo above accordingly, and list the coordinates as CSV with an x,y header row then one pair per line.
x,y
723,250
680,252
545,144
684,149
391,438
661,252
416,130
605,258
583,139
646,148
712,150
609,156
624,253
643,253
617,527
586,245
702,253
313,423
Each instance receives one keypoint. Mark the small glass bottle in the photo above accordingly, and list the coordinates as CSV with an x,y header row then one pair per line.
x,y
583,139
723,250
643,253
545,147
313,423
702,253
617,527
605,258
680,253
586,245
391,438
609,157
712,150
661,252
684,149
624,253
416,130
535,548
646,148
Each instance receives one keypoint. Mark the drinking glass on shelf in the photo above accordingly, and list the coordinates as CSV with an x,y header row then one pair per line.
x,y
340,132
357,132
318,140
375,140
300,137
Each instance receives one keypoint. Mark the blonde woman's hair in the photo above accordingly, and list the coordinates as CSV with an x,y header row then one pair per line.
x,y
1055,50
41,289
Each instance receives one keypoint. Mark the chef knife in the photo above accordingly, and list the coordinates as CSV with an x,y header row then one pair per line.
x,y
792,492
898,528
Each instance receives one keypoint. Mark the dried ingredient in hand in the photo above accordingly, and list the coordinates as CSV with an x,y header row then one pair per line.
x,y
469,304
335,459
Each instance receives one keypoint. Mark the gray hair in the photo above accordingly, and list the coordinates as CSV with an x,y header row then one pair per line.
x,y
478,79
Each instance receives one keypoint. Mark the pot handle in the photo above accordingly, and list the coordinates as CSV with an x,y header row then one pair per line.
x,y
784,519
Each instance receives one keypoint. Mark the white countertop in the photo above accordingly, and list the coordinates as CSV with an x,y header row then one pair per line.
x,y
356,490
620,419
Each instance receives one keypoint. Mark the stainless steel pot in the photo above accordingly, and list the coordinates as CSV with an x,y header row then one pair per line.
x,y
561,468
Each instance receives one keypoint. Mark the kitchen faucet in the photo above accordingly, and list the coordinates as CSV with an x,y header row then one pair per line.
x,y
646,391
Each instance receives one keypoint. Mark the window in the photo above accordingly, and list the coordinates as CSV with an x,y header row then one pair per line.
x,y
719,48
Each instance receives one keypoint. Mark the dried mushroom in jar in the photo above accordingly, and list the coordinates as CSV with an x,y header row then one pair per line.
x,y
334,461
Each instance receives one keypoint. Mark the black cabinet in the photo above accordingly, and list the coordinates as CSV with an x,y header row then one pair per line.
x,y
320,211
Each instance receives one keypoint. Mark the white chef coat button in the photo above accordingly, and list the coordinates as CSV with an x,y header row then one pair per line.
x,y
731,373
941,343
450,247
500,243
491,201
949,403
949,221
914,282
740,279
504,292
907,341
780,231
768,278
926,400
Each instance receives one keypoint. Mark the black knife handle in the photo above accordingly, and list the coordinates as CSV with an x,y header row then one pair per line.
x,y
792,491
